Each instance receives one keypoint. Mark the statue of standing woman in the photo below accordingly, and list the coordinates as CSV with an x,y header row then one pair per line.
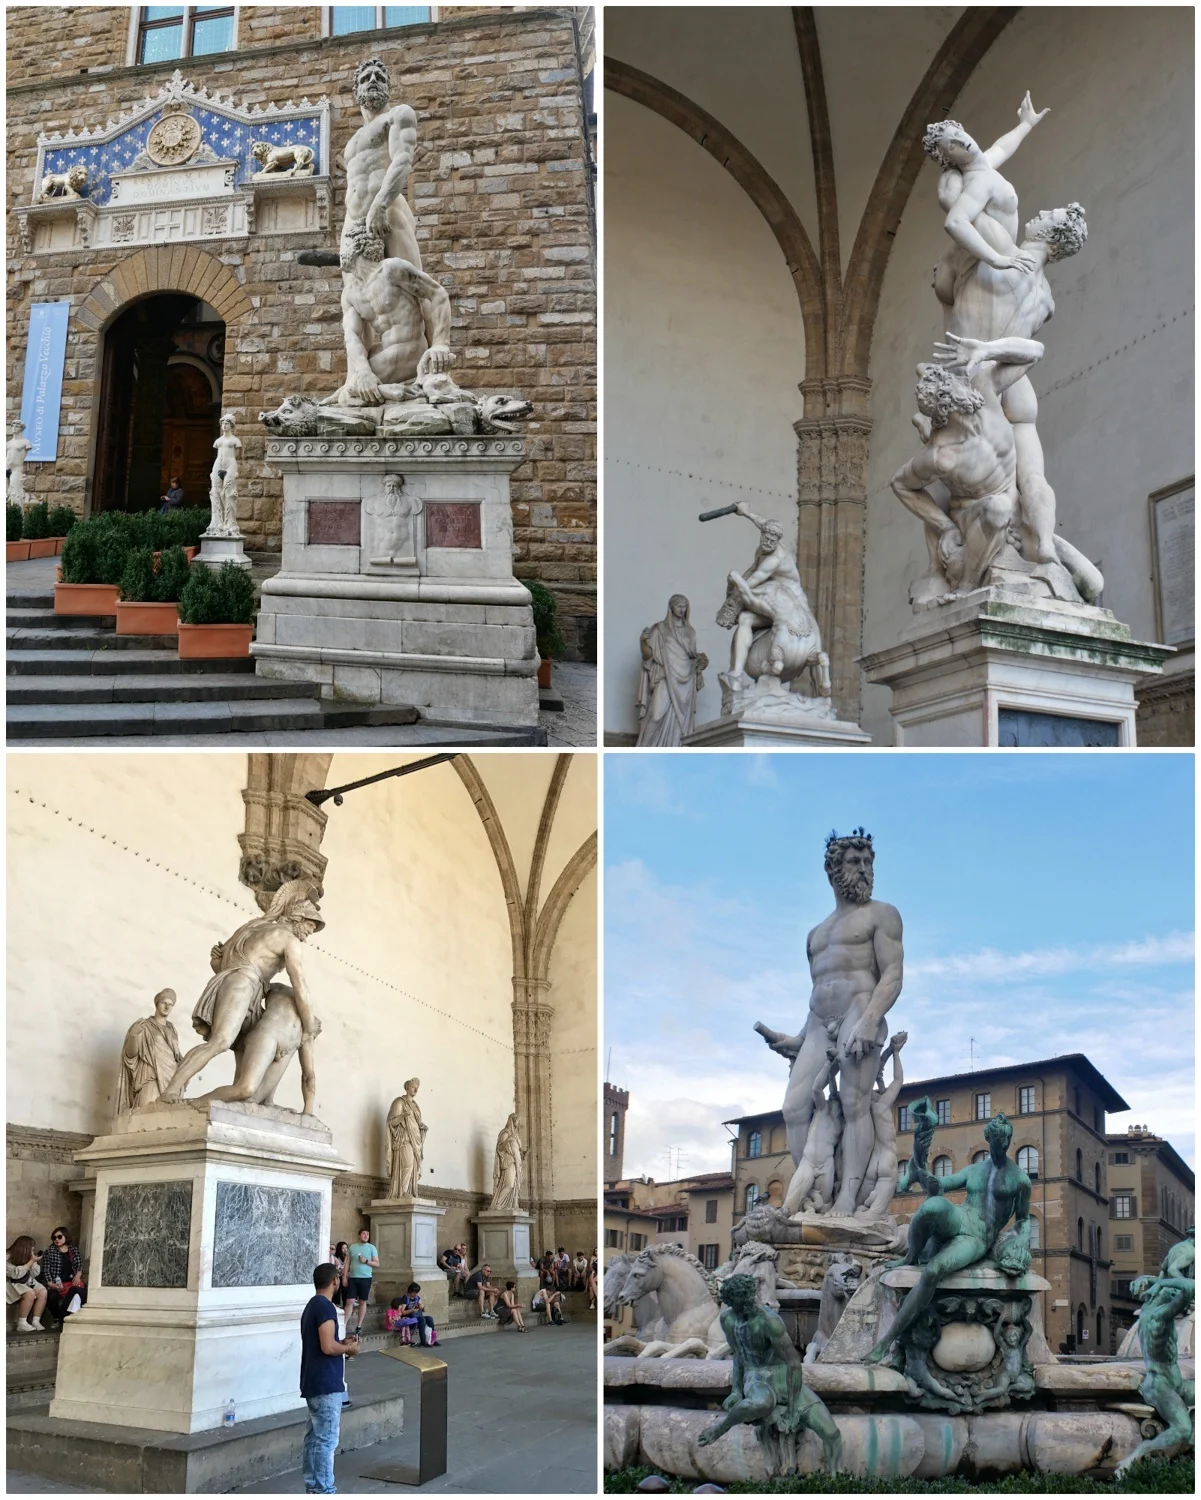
x,y
15,450
149,1056
506,1170
672,670
406,1143
223,490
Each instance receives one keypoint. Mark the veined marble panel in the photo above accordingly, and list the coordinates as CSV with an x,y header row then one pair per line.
x,y
265,1236
147,1227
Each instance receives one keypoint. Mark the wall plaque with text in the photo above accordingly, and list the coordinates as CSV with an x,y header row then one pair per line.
x,y
453,523
1172,536
333,523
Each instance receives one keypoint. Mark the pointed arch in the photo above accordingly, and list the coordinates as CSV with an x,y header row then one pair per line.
x,y
484,806
571,877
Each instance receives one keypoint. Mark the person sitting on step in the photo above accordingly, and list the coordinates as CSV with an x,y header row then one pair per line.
x,y
507,1308
23,1286
62,1275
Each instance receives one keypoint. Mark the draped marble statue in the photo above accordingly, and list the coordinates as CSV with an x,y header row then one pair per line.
x,y
243,967
149,1056
506,1168
672,676
843,1142
992,282
406,1143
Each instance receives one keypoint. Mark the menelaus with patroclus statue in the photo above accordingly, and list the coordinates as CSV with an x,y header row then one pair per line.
x,y
930,1339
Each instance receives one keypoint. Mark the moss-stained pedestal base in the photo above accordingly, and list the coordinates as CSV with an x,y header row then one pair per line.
x,y
994,668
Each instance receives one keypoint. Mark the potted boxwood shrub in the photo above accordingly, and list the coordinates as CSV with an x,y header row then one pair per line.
x,y
17,550
184,528
547,634
216,613
93,560
36,526
150,592
62,518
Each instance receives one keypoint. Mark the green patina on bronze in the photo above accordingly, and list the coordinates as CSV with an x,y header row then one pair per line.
x,y
767,1384
1166,1297
946,1237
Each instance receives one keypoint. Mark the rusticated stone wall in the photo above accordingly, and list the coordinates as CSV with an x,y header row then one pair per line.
x,y
502,192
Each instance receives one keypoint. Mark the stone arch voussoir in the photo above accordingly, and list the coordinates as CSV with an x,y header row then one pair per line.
x,y
165,268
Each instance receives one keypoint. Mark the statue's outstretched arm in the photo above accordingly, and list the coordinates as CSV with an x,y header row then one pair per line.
x,y
1004,146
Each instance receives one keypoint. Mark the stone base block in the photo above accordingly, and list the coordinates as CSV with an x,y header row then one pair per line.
x,y
131,1460
756,727
209,1218
215,551
996,669
504,1243
405,1232
456,657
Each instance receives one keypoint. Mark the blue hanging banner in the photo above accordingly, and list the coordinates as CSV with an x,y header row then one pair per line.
x,y
41,395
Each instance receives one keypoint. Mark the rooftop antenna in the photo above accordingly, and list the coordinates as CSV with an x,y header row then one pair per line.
x,y
971,1054
608,1064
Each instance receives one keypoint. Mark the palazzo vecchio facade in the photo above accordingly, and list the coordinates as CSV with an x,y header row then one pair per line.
x,y
180,269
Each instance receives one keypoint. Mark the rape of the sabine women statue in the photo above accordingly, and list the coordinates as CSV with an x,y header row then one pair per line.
x,y
671,678
506,1168
223,488
776,638
15,450
406,1143
999,523
234,1000
149,1056
856,961
767,1384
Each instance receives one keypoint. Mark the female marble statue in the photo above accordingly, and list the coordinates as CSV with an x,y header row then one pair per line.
x,y
406,1143
671,677
506,1170
223,490
15,450
149,1056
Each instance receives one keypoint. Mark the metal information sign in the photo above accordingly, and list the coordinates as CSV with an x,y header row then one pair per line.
x,y
431,1452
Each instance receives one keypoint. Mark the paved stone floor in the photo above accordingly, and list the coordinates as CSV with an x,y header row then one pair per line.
x,y
523,1420
575,682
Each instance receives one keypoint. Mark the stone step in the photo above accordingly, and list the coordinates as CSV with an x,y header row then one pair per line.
x,y
147,687
25,618
81,638
29,599
76,663
71,721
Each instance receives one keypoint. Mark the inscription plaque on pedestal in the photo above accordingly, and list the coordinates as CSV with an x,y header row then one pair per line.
x,y
454,523
333,523
1020,728
1172,531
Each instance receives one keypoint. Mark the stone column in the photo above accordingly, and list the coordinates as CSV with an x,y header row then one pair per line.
x,y
832,498
405,1232
531,1056
504,1244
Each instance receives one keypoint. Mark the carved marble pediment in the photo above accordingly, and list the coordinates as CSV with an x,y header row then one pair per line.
x,y
152,171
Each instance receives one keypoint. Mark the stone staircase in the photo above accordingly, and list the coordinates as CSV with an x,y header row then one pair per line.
x,y
72,676
30,1361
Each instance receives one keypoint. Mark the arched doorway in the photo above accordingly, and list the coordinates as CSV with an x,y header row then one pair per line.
x,y
160,401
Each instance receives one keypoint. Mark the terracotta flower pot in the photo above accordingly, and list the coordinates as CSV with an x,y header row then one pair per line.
x,y
214,641
17,551
135,618
544,669
191,553
85,598
43,546
58,545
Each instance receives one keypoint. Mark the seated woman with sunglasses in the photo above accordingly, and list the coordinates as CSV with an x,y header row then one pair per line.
x,y
62,1275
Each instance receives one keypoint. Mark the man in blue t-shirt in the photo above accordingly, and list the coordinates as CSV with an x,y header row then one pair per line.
x,y
362,1257
322,1366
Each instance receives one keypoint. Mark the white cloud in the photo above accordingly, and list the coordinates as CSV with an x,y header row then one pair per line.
x,y
990,965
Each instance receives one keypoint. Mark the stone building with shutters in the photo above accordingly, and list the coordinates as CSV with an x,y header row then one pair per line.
x,y
1057,1107
1152,1206
178,258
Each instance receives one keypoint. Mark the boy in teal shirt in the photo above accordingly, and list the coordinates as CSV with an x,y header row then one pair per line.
x,y
363,1257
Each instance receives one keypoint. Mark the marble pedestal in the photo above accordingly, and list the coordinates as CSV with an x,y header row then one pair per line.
x,y
378,607
209,1221
504,1244
405,1232
997,668
216,551
768,715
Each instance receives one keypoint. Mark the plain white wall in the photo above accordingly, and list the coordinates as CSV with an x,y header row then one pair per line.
x,y
704,350
1116,386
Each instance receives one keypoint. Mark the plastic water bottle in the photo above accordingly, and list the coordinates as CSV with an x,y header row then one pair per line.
x,y
231,1415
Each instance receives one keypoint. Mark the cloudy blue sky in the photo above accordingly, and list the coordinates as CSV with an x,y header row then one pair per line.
x,y
1047,902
